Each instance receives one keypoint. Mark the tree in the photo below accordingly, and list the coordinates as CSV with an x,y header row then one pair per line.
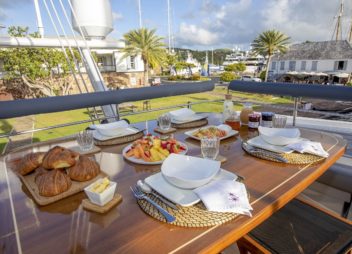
x,y
227,76
268,43
236,67
36,68
146,43
184,65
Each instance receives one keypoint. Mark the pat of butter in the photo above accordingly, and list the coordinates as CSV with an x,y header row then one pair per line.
x,y
101,186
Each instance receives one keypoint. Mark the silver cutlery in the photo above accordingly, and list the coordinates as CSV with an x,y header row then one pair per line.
x,y
273,155
146,189
140,195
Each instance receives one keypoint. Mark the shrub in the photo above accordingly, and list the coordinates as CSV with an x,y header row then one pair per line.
x,y
195,77
172,78
262,75
227,76
349,83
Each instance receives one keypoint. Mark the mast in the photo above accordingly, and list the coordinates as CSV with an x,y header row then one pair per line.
x,y
169,24
140,14
338,26
39,19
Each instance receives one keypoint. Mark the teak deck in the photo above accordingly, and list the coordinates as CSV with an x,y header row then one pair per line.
x,y
64,227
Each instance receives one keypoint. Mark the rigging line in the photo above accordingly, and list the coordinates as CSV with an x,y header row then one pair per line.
x,y
73,57
90,53
62,47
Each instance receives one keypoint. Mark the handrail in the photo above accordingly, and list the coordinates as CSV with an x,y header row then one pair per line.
x,y
341,93
16,108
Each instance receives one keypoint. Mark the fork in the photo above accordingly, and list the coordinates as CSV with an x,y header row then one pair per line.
x,y
268,153
140,195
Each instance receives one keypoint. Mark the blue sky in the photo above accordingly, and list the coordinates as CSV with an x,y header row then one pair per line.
x,y
204,24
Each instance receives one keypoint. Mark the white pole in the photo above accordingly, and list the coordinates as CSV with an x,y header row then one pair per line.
x,y
169,23
39,19
140,14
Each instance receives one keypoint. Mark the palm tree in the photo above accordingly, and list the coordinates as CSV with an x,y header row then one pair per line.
x,y
268,43
148,45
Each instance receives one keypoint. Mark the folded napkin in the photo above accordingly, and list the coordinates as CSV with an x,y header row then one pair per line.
x,y
119,128
306,146
113,125
225,196
182,114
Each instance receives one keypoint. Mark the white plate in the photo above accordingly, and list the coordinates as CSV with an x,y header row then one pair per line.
x,y
181,196
260,143
229,134
140,161
189,172
128,131
191,119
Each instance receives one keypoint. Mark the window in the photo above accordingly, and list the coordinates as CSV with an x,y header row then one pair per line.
x,y
282,65
292,65
303,65
314,65
273,65
132,62
340,65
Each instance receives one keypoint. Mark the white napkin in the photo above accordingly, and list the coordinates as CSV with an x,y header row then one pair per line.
x,y
182,114
113,125
225,196
119,128
306,146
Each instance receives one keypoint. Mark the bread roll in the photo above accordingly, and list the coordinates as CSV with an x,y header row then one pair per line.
x,y
30,162
84,170
53,182
59,157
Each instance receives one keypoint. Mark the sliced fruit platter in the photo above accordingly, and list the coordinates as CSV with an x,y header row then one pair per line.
x,y
222,131
153,150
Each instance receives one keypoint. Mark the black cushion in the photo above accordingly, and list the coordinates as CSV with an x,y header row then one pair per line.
x,y
300,228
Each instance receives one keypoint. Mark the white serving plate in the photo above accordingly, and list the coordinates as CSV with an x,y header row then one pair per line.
x,y
229,134
279,136
260,143
189,172
181,196
140,161
127,131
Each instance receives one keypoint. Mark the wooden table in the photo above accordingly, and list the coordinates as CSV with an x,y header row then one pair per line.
x,y
64,227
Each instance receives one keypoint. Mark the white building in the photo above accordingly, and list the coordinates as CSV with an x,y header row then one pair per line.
x,y
329,60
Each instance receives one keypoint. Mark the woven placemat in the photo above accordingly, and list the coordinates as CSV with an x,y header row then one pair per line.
x,y
119,140
292,158
192,216
193,124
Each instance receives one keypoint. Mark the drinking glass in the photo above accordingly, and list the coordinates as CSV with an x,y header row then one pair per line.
x,y
85,140
164,122
210,147
279,121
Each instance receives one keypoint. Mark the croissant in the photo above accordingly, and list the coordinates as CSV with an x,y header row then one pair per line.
x,y
85,169
59,157
52,182
30,162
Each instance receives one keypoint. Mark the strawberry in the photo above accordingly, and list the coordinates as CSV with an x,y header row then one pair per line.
x,y
164,144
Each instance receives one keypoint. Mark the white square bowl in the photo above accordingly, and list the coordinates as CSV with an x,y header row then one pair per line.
x,y
103,198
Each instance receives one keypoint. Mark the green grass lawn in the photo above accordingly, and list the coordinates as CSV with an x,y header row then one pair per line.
x,y
44,120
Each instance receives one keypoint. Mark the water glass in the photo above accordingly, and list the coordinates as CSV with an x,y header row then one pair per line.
x,y
164,122
85,140
279,121
210,147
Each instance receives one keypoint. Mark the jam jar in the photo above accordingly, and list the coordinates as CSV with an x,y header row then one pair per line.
x,y
253,120
267,119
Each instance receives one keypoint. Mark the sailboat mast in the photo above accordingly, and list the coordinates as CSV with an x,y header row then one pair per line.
x,y
339,16
169,23
140,13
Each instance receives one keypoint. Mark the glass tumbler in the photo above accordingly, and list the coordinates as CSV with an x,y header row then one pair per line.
x,y
164,122
279,121
85,140
210,147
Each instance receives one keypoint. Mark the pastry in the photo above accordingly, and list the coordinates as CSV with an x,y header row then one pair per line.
x,y
30,162
85,169
52,182
59,157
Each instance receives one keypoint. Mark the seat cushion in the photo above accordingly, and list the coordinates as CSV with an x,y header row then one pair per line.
x,y
300,228
339,175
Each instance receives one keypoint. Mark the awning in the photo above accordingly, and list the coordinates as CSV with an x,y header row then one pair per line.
x,y
303,73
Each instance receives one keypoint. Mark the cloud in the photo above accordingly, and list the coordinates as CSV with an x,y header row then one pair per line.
x,y
117,16
240,21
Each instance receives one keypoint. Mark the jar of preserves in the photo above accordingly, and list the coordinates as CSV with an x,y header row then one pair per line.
x,y
267,119
254,120
246,110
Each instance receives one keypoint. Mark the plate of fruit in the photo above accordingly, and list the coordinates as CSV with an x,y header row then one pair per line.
x,y
222,131
152,150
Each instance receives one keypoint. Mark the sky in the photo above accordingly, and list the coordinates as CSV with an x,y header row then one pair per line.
x,y
206,24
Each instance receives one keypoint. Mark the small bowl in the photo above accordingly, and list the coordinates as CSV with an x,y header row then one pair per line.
x,y
103,198
279,136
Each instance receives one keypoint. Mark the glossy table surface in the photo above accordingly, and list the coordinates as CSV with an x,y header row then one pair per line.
x,y
65,227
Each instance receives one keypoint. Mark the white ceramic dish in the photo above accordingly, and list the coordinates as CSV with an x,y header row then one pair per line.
x,y
103,198
189,172
181,196
140,161
229,134
112,129
279,136
125,132
195,117
260,143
